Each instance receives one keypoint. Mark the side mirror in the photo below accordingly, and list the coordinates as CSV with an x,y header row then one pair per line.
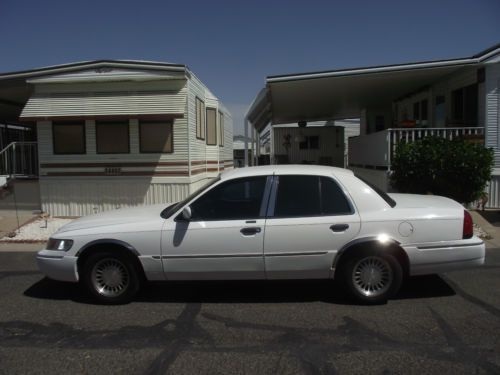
x,y
186,213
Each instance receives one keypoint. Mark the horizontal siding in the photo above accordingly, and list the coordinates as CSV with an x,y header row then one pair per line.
x,y
101,104
199,149
78,197
492,109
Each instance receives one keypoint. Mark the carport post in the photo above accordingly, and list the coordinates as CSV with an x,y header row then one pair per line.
x,y
246,141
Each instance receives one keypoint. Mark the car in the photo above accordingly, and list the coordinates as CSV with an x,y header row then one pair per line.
x,y
268,222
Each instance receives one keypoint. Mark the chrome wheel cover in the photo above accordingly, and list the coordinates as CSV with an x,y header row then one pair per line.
x,y
372,276
110,277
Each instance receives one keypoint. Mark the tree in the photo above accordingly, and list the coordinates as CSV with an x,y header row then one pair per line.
x,y
458,169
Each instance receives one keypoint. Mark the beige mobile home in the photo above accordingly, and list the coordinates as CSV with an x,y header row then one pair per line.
x,y
123,133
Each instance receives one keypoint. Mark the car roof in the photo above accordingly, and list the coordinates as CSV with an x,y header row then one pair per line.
x,y
284,169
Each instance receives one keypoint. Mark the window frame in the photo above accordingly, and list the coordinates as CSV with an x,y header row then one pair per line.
x,y
271,213
168,123
221,128
307,143
215,126
69,123
100,123
263,203
200,118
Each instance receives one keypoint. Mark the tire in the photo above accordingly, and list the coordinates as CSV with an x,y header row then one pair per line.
x,y
371,277
111,278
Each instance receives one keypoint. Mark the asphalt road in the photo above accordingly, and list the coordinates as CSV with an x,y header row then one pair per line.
x,y
448,324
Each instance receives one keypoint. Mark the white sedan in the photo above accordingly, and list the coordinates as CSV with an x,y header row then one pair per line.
x,y
271,222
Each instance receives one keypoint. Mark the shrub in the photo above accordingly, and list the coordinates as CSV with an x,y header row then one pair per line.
x,y
457,169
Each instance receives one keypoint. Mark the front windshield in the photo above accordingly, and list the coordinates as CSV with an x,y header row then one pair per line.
x,y
170,210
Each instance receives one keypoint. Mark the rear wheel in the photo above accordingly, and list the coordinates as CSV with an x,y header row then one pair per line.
x,y
372,277
111,278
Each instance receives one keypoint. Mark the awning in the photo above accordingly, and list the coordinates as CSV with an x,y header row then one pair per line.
x,y
343,94
96,105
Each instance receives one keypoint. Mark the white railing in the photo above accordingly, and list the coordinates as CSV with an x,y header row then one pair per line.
x,y
19,159
377,149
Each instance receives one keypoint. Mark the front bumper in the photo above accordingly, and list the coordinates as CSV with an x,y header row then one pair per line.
x,y
439,257
57,265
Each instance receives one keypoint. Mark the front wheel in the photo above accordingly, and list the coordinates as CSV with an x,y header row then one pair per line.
x,y
372,278
111,278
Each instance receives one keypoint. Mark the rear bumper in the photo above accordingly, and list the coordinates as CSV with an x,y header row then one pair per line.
x,y
57,266
447,256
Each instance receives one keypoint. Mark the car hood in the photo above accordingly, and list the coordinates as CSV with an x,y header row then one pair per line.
x,y
423,201
116,217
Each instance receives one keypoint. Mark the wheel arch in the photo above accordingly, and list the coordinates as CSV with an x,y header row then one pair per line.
x,y
110,245
389,245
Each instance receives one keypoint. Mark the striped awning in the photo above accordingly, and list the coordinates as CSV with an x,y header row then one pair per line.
x,y
87,105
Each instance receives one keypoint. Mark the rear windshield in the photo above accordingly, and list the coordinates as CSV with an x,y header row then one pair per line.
x,y
391,202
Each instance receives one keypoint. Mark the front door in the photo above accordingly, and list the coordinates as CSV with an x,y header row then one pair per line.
x,y
310,219
224,239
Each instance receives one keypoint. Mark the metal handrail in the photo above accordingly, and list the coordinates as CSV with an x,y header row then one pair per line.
x,y
19,159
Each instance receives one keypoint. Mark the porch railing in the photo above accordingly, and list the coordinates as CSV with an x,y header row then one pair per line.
x,y
19,159
376,150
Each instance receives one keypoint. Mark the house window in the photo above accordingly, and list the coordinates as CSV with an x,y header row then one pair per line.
x,y
309,143
421,113
211,126
221,129
68,137
156,137
112,137
200,119
440,111
464,107
379,123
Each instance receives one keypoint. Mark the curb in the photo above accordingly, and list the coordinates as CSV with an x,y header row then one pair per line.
x,y
493,231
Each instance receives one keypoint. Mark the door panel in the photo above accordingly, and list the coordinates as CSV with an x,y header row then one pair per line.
x,y
305,247
309,220
224,238
213,250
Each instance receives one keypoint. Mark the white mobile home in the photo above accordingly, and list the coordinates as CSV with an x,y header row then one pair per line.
x,y
122,133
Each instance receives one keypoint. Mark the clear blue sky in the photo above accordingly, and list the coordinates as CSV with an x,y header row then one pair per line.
x,y
233,45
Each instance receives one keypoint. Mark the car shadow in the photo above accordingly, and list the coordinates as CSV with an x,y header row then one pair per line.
x,y
242,291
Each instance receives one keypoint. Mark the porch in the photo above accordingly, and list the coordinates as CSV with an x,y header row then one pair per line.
x,y
376,150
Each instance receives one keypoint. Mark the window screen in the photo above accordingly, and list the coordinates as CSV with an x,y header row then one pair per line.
x,y
68,137
112,138
238,199
156,137
211,126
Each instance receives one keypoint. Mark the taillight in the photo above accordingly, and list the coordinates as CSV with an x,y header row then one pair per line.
x,y
468,230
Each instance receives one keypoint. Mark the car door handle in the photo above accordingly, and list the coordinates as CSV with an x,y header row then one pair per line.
x,y
250,231
339,227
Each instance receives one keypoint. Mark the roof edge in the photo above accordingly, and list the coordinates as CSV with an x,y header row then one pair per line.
x,y
90,64
391,67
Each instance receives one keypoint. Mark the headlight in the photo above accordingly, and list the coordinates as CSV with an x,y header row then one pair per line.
x,y
57,244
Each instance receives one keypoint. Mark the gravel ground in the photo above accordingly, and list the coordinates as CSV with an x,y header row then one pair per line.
x,y
38,230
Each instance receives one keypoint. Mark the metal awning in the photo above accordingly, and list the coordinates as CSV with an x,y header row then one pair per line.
x,y
343,94
16,88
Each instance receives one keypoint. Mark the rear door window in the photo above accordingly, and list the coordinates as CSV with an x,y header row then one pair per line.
x,y
306,196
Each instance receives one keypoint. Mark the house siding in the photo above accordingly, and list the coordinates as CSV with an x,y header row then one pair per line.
x,y
75,185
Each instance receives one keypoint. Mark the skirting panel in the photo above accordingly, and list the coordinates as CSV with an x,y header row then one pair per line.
x,y
70,197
